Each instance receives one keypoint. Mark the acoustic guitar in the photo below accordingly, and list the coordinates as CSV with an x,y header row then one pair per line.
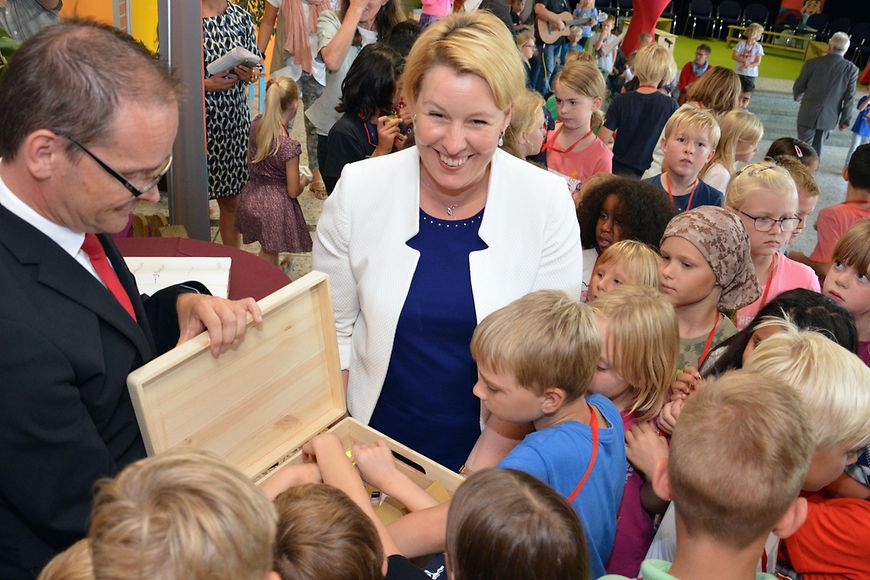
x,y
549,33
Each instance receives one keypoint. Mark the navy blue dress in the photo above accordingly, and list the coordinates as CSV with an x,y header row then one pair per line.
x,y
427,401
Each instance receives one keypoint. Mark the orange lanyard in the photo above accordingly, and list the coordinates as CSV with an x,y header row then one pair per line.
x,y
551,143
709,342
771,274
691,195
593,424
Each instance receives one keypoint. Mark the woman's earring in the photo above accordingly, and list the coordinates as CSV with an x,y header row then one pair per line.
x,y
501,139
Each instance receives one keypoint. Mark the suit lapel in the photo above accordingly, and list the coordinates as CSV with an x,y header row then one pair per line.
x,y
63,274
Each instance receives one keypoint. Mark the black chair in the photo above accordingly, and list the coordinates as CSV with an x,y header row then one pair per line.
x,y
623,8
790,21
860,44
816,23
699,10
670,13
836,25
604,6
755,13
728,15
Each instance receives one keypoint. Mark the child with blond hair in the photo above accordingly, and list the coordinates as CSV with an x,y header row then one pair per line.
x,y
181,514
640,346
525,135
269,210
736,463
706,270
741,132
536,358
626,262
690,140
764,197
572,148
747,55
638,116
807,189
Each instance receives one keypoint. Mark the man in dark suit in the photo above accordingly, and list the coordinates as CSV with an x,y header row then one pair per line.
x,y
825,89
87,123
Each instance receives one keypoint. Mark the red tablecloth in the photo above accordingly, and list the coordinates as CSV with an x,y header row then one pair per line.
x,y
250,275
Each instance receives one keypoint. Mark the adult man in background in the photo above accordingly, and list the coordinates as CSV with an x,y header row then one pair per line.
x,y
88,120
825,89
24,18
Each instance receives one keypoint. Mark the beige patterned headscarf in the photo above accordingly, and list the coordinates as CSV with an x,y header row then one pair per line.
x,y
720,236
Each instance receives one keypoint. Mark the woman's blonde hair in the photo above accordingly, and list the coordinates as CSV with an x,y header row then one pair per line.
x,y
643,340
766,175
582,77
475,43
735,126
526,116
323,535
654,64
74,563
639,260
281,94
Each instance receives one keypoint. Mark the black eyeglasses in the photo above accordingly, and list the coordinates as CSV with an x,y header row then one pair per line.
x,y
765,224
123,181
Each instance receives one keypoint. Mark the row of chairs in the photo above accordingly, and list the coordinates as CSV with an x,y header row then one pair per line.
x,y
729,13
623,9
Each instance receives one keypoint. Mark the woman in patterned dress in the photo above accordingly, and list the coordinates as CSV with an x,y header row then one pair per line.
x,y
227,117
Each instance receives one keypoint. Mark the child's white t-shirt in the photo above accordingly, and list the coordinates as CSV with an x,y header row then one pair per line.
x,y
751,52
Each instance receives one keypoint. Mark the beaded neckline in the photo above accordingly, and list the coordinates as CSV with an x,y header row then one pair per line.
x,y
476,218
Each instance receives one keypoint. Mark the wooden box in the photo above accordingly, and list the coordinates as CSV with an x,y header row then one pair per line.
x,y
257,405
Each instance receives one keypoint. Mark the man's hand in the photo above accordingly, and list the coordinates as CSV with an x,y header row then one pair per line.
x,y
225,320
219,82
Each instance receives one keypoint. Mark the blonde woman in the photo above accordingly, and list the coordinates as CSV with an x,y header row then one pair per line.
x,y
421,244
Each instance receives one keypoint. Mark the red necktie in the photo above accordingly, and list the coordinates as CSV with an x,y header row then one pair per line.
x,y
94,249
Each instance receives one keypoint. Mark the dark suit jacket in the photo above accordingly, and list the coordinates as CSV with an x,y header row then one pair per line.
x,y
66,420
826,87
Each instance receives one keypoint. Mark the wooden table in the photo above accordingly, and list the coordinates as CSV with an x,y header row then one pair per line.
x,y
793,45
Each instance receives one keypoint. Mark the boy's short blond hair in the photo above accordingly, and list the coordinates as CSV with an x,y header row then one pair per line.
x,y
643,339
181,514
694,118
754,30
74,563
853,248
323,535
638,258
803,178
833,383
582,77
654,64
582,55
766,175
544,339
738,457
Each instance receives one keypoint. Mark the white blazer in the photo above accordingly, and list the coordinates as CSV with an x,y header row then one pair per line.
x,y
529,225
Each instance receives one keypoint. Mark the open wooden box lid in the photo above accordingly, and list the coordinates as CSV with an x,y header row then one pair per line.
x,y
254,405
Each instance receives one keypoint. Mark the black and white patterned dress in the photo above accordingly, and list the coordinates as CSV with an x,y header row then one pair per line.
x,y
227,117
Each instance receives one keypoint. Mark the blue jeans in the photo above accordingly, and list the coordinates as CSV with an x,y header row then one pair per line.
x,y
551,54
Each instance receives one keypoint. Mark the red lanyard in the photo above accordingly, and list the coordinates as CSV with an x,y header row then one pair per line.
x,y
551,143
656,87
771,274
691,194
593,424
709,342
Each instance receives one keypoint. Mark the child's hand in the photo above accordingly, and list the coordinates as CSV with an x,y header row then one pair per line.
x,y
685,384
290,476
376,464
667,419
311,449
644,447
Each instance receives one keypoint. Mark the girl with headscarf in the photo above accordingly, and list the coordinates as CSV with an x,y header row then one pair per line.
x,y
706,270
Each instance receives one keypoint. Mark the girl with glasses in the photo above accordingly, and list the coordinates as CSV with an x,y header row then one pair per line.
x,y
765,198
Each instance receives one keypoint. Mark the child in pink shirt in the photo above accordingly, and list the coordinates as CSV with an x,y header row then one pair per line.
x,y
765,197
640,346
572,148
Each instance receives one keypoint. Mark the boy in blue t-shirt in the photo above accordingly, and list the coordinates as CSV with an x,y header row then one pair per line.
x,y
536,358
691,137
